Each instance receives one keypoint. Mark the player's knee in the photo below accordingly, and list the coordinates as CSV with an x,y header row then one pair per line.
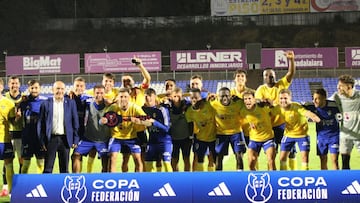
x,y
76,156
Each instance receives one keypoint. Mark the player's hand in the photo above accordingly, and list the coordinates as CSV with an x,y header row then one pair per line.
x,y
74,146
211,97
43,148
71,94
316,119
17,114
290,55
135,120
137,61
103,120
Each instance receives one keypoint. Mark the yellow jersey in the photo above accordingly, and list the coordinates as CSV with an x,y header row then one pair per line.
x,y
137,95
295,120
7,111
15,126
126,129
257,123
272,93
235,92
204,122
227,118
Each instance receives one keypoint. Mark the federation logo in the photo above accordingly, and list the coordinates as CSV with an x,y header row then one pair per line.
x,y
74,189
258,188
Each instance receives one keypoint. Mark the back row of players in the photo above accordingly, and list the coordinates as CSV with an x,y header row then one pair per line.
x,y
151,127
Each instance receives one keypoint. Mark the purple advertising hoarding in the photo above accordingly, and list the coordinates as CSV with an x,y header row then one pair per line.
x,y
352,57
121,62
43,64
207,60
304,58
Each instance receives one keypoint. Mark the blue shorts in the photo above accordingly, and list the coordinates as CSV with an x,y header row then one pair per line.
x,y
256,146
200,148
184,145
328,144
85,146
115,145
162,149
287,143
237,143
6,151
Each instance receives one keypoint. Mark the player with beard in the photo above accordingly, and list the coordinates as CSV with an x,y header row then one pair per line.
x,y
228,130
108,81
137,96
30,109
203,116
95,136
125,133
268,93
257,120
296,129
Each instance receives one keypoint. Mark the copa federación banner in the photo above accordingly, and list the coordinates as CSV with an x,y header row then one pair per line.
x,y
216,187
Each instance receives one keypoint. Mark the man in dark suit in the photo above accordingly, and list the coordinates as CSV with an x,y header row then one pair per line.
x,y
58,128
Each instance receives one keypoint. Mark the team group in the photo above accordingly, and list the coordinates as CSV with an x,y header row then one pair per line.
x,y
150,128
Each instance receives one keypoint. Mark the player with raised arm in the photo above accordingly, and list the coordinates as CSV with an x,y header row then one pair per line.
x,y
269,93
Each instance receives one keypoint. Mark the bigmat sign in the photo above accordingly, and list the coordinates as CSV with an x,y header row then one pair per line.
x,y
121,62
43,64
217,187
